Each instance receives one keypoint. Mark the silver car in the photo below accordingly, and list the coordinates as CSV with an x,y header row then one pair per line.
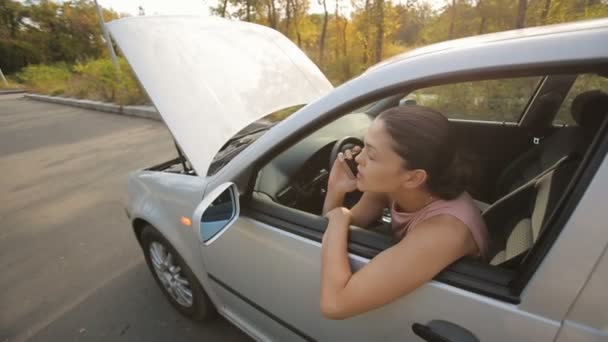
x,y
232,225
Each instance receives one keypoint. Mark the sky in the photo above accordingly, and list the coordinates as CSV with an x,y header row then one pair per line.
x,y
201,7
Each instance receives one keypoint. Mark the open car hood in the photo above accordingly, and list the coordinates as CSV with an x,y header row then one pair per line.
x,y
210,77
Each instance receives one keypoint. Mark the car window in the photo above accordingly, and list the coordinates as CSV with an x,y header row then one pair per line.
x,y
502,100
582,84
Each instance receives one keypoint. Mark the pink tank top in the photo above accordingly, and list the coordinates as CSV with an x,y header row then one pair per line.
x,y
463,208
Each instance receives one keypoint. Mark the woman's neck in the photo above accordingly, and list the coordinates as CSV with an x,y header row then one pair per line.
x,y
411,201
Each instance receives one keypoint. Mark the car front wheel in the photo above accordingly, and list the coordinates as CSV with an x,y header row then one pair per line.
x,y
174,277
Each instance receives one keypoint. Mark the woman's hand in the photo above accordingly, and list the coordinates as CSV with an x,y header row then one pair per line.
x,y
341,178
340,219
339,215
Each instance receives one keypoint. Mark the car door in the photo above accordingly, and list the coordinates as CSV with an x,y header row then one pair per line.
x,y
218,218
266,273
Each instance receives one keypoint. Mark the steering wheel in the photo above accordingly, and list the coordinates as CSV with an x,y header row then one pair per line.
x,y
342,145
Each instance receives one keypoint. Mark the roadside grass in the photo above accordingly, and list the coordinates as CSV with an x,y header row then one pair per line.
x,y
92,79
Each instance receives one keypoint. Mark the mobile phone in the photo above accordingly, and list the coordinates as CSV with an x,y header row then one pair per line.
x,y
352,164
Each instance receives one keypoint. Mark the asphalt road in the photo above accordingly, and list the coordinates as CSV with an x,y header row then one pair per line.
x,y
70,267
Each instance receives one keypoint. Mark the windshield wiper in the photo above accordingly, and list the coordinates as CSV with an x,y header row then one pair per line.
x,y
243,135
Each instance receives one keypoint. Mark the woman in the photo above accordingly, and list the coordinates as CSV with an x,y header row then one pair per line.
x,y
408,163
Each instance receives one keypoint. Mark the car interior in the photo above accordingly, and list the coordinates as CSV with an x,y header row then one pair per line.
x,y
524,168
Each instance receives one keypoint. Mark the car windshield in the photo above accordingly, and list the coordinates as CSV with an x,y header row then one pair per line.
x,y
246,136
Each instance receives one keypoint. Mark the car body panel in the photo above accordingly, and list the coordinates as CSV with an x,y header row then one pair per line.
x,y
588,317
161,199
210,77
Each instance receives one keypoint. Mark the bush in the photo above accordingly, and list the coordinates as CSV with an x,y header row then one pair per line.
x,y
99,80
95,79
47,79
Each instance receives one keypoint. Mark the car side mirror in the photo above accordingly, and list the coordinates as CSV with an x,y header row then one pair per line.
x,y
216,212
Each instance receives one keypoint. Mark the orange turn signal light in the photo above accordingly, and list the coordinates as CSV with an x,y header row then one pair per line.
x,y
186,221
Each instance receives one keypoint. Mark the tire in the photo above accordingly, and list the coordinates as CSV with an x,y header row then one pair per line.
x,y
174,271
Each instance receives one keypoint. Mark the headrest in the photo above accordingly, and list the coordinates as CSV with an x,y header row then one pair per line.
x,y
589,109
544,110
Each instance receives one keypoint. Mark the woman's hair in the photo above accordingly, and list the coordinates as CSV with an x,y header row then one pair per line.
x,y
423,139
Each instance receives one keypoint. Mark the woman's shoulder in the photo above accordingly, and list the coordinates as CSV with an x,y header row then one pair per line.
x,y
465,210
464,202
462,207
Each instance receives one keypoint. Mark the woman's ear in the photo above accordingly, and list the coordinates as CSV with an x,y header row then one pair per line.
x,y
415,178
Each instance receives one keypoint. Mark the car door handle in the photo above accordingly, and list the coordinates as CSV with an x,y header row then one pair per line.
x,y
443,331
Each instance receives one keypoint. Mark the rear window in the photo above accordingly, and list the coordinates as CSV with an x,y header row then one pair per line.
x,y
582,84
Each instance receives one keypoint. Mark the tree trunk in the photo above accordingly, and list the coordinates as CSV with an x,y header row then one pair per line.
x,y
272,14
545,12
287,17
452,20
482,22
337,25
379,30
482,25
224,6
323,32
296,21
364,58
248,11
521,14
346,60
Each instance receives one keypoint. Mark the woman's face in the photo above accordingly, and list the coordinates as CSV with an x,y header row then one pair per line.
x,y
380,168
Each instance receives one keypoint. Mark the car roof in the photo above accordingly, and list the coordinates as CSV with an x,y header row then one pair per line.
x,y
594,31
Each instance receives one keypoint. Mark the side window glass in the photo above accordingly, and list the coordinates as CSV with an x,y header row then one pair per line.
x,y
582,84
218,215
502,100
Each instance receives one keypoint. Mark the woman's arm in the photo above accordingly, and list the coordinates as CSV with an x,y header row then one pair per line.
x,y
368,209
333,199
423,253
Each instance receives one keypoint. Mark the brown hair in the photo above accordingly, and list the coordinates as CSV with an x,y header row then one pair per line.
x,y
423,139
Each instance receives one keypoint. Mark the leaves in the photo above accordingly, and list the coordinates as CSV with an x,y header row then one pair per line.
x,y
60,32
344,40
